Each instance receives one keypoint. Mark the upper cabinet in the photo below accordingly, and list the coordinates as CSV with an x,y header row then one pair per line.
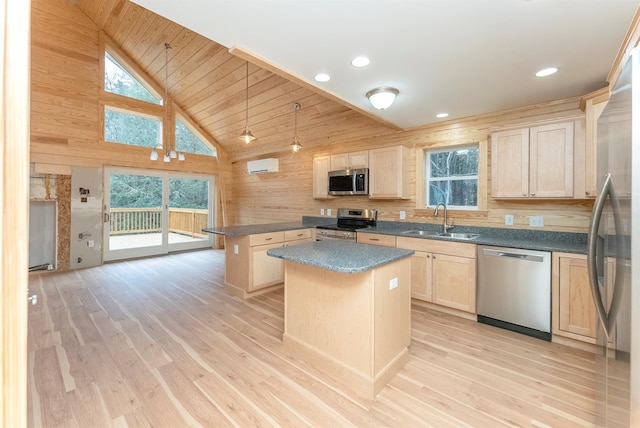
x,y
321,168
389,173
537,161
353,160
593,104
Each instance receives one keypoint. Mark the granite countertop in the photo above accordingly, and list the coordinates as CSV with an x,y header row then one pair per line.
x,y
252,229
527,239
339,256
512,238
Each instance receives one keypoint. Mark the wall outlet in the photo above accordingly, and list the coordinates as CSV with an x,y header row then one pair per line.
x,y
536,221
321,211
235,248
329,211
508,220
393,283
403,215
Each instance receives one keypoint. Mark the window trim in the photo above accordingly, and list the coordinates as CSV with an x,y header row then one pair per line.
x,y
421,181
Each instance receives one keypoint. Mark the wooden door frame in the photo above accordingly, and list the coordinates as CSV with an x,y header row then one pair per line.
x,y
15,41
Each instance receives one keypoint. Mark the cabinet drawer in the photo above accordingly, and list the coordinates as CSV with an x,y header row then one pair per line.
x,y
266,238
376,239
438,246
292,235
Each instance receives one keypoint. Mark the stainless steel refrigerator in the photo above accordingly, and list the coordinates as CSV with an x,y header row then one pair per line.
x,y
614,237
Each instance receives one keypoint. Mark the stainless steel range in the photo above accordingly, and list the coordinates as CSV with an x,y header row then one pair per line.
x,y
348,221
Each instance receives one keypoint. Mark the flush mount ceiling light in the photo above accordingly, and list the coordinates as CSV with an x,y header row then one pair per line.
x,y
382,97
295,146
442,115
246,135
546,72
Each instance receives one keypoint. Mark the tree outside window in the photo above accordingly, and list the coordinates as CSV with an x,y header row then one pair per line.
x,y
452,177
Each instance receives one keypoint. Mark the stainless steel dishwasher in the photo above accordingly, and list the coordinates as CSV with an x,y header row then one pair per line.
x,y
514,290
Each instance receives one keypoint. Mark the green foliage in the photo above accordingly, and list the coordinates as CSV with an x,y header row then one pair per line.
x,y
188,142
143,191
119,81
131,129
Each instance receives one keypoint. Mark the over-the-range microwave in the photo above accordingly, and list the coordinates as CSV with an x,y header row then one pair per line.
x,y
349,182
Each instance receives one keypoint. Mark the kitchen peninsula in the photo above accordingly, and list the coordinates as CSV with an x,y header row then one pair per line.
x,y
348,309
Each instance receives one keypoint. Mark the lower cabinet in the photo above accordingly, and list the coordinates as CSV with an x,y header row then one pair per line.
x,y
443,272
573,310
248,268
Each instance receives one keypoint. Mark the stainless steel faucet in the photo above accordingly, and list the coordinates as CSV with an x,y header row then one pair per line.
x,y
445,226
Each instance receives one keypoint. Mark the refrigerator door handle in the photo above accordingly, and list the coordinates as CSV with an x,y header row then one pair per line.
x,y
592,255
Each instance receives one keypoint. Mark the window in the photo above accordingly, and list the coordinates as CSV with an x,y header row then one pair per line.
x,y
451,176
132,129
118,80
188,141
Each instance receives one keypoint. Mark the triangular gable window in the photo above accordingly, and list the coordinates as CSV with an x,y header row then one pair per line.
x,y
118,80
187,141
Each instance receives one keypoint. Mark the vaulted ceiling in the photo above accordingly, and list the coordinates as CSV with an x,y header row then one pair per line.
x,y
209,83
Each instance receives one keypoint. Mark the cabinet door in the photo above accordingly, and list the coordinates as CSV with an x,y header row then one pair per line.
x,y
265,270
454,282
389,173
421,276
340,161
510,163
551,160
359,159
321,166
577,312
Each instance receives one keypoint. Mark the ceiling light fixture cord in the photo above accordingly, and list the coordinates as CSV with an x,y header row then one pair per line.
x,y
246,135
295,146
167,145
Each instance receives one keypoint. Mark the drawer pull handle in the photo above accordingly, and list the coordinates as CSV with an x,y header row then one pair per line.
x,y
268,239
375,239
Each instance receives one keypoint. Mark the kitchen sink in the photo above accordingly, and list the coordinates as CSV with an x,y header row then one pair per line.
x,y
420,232
458,235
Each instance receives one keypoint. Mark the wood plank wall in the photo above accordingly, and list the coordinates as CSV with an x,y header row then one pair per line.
x,y
66,100
286,195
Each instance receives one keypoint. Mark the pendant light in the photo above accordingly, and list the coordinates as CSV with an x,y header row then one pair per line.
x,y
246,135
295,146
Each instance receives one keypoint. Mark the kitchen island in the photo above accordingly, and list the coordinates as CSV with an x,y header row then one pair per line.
x,y
348,310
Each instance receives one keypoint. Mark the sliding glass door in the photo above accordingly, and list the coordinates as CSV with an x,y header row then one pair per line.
x,y
150,213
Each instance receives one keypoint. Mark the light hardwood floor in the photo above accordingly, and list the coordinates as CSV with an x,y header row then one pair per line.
x,y
157,343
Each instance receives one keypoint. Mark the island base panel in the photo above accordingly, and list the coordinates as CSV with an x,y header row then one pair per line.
x,y
356,322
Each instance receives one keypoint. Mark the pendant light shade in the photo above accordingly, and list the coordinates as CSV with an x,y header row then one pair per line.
x,y
246,135
295,146
382,98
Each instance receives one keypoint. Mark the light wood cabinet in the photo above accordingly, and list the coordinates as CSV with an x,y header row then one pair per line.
x,y
350,160
533,162
593,104
443,272
389,173
573,310
376,239
249,270
321,168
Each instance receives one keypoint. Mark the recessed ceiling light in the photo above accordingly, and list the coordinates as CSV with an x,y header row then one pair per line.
x,y
361,61
441,115
546,72
322,77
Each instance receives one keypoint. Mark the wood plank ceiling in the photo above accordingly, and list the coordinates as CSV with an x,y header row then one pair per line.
x,y
209,83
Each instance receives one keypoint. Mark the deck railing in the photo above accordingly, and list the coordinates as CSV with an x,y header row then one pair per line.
x,y
185,221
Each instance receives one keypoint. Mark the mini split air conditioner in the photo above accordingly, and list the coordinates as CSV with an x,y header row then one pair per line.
x,y
262,165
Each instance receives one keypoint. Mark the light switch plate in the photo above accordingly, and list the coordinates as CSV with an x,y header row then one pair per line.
x,y
235,248
321,211
393,283
508,219
403,215
328,211
536,221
